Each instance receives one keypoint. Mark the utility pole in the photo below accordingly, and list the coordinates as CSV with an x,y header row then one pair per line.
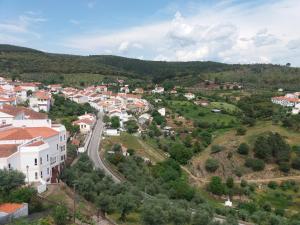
x,y
74,202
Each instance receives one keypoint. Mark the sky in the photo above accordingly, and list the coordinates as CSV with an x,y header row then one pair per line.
x,y
230,31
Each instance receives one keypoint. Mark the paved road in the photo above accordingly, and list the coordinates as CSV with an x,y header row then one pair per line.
x,y
93,148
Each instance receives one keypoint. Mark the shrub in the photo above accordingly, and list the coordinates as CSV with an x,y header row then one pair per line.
x,y
216,186
241,131
243,149
284,167
211,165
255,164
296,163
272,185
216,148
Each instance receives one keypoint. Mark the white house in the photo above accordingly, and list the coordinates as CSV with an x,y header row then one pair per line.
x,y
158,90
40,101
85,125
296,109
38,152
162,111
189,96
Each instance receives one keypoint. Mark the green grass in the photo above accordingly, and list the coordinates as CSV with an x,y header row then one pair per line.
x,y
140,146
224,106
201,114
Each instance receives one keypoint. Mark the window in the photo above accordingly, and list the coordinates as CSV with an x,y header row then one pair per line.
x,y
9,166
60,138
35,161
64,137
41,174
36,175
47,158
48,171
57,146
41,160
3,122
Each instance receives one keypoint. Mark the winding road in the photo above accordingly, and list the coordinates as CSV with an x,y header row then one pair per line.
x,y
94,145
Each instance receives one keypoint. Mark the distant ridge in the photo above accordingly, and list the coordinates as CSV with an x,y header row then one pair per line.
x,y
42,66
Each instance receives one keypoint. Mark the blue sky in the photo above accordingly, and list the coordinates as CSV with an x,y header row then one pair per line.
x,y
232,31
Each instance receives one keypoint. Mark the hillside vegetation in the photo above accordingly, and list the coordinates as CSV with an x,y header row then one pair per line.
x,y
47,67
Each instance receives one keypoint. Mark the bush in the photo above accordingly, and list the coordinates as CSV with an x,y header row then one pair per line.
x,y
272,185
211,165
296,163
243,149
255,164
284,167
216,148
216,186
60,215
241,131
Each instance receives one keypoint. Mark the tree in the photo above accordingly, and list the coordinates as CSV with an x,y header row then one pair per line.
x,y
105,203
179,216
243,149
29,93
180,153
216,186
126,203
60,215
115,122
211,165
230,182
154,213
201,217
9,180
131,126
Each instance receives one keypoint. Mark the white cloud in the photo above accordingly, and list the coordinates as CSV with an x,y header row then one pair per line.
x,y
228,32
20,31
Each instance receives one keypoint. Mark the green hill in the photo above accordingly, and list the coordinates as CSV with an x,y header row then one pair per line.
x,y
50,68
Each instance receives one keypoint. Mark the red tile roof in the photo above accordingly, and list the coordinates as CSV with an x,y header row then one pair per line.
x,y
10,207
29,113
7,150
37,143
25,133
87,121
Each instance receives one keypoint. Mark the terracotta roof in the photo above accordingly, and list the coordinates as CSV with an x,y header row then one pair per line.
x,y
7,150
7,99
25,133
29,113
37,143
42,95
85,120
10,207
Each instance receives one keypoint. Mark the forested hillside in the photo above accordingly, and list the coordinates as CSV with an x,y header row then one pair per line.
x,y
36,65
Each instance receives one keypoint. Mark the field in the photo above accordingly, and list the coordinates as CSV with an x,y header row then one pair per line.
x,y
229,165
130,141
203,114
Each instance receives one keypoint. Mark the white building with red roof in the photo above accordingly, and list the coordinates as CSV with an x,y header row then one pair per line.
x,y
40,101
30,143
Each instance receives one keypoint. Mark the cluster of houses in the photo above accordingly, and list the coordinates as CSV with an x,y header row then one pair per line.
x,y
29,141
122,104
289,100
16,92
